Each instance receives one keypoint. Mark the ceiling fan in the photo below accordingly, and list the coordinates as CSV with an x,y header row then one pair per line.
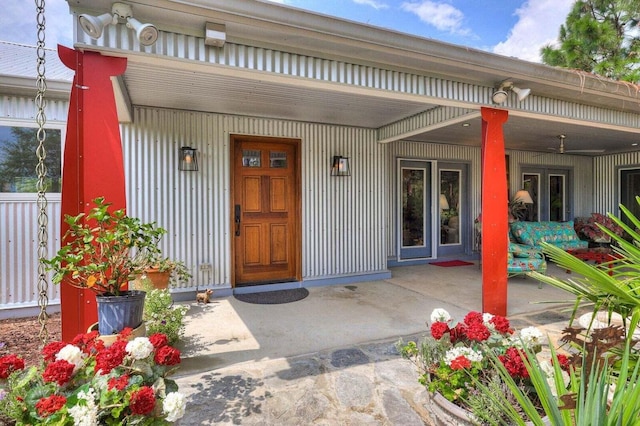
x,y
562,150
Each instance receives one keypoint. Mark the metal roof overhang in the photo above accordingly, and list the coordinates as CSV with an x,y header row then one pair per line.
x,y
164,82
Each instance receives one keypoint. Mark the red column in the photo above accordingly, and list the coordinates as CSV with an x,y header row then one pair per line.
x,y
494,213
92,162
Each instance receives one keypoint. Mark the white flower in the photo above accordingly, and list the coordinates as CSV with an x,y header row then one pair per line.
x,y
486,320
72,354
471,354
531,336
139,348
549,372
85,414
440,315
173,406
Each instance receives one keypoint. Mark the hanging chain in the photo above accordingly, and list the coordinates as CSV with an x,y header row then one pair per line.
x,y
41,170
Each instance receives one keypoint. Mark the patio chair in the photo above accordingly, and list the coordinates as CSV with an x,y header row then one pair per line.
x,y
522,259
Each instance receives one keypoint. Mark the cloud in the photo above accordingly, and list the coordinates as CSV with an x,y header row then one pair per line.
x,y
538,24
18,23
442,16
373,3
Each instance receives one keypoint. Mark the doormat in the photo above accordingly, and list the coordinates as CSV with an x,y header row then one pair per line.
x,y
273,297
449,263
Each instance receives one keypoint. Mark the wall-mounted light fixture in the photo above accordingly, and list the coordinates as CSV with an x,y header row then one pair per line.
x,y
147,34
188,159
501,94
340,166
215,34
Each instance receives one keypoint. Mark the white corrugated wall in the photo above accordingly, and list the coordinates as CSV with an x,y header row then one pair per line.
x,y
343,218
605,180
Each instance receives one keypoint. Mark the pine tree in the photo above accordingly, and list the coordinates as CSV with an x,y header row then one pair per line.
x,y
600,37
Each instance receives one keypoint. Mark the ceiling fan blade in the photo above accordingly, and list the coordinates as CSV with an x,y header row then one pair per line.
x,y
585,150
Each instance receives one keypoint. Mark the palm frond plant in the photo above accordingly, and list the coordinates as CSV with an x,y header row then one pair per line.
x,y
613,286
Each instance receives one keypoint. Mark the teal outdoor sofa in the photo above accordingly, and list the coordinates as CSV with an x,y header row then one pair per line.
x,y
522,259
559,234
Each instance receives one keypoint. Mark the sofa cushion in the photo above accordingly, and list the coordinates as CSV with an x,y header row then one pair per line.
x,y
560,234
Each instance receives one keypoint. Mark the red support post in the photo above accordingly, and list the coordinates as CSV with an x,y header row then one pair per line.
x,y
92,165
494,213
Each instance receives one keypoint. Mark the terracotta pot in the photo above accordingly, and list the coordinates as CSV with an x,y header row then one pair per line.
x,y
160,280
109,339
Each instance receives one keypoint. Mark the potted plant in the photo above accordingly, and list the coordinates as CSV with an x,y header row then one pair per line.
x,y
166,272
86,383
102,251
456,358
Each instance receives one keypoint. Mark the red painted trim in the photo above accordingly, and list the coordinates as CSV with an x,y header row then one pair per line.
x,y
93,165
494,213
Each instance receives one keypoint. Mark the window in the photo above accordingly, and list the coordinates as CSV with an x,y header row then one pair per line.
x,y
18,159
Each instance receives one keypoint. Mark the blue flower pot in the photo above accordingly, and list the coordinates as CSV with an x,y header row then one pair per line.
x,y
115,313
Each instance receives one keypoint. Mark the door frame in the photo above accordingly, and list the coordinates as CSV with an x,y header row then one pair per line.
x,y
297,188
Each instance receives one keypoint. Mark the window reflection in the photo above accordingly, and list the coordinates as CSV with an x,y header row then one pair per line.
x,y
450,206
413,207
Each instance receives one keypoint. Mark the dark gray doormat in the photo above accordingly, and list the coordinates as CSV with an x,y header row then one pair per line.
x,y
274,297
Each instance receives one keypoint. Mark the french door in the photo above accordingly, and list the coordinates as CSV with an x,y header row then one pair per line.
x,y
549,190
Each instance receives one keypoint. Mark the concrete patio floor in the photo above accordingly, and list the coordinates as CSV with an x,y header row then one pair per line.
x,y
330,358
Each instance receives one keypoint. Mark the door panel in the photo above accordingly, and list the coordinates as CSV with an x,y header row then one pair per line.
x,y
415,218
266,216
550,191
453,208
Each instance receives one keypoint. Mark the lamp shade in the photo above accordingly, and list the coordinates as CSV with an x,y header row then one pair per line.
x,y
188,159
523,197
444,204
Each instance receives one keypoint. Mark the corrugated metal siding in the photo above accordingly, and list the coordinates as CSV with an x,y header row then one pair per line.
x,y
343,219
19,251
24,108
605,180
456,93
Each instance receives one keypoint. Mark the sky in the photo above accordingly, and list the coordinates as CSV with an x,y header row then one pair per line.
x,y
517,28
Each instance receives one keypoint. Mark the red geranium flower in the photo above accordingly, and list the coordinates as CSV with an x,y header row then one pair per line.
x,y
459,332
143,401
438,329
473,318
49,405
50,350
167,355
501,324
9,364
460,363
478,332
564,362
512,360
89,342
119,383
59,371
109,358
158,340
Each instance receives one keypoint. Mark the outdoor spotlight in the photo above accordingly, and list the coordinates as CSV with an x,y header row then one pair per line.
x,y
147,34
93,25
501,94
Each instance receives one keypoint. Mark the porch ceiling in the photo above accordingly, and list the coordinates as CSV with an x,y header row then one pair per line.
x,y
192,89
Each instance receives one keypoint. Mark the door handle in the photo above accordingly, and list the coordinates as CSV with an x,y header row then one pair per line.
x,y
237,219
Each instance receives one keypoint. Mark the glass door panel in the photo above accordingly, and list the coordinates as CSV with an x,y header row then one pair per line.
x,y
415,209
557,198
449,206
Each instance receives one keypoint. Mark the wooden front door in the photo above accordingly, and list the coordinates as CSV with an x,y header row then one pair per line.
x,y
266,210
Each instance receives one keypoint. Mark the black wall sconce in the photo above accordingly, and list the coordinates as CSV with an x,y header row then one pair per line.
x,y
340,166
188,159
